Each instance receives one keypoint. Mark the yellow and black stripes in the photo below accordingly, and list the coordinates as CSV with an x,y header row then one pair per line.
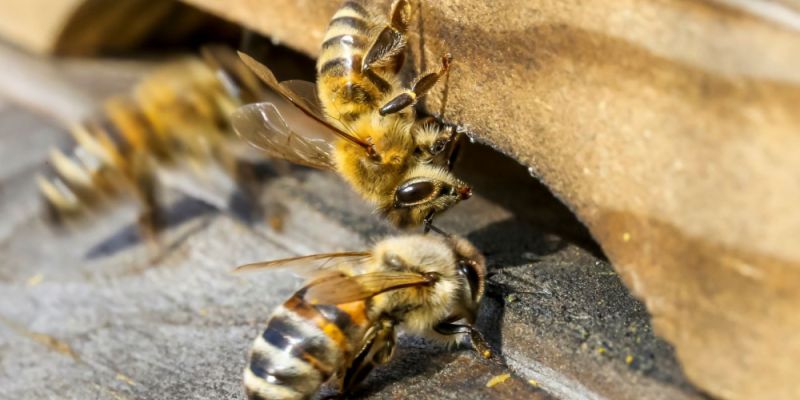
x,y
302,347
346,88
80,175
180,111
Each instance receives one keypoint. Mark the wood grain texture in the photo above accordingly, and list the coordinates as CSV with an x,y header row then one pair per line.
x,y
670,128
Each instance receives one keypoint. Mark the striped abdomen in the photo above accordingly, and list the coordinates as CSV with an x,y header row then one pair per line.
x,y
95,163
344,89
302,347
178,111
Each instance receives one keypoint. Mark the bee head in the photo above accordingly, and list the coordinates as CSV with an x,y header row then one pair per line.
x,y
458,271
425,190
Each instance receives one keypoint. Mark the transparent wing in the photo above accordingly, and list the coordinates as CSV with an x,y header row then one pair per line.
x,y
341,288
305,100
263,126
311,265
305,92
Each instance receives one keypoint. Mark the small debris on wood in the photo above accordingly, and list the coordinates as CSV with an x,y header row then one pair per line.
x,y
496,380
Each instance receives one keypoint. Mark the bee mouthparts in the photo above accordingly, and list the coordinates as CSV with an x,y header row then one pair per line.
x,y
465,192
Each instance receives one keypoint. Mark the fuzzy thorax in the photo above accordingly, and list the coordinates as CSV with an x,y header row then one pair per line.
x,y
375,180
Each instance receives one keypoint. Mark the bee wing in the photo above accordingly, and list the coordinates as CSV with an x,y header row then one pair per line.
x,y
312,265
263,126
306,101
305,92
341,288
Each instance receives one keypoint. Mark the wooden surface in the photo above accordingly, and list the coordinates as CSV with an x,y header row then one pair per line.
x,y
95,314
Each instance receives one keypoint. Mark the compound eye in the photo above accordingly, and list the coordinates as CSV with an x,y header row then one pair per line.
x,y
473,279
414,192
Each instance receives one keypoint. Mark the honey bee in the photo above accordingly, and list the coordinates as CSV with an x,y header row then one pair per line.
x,y
362,124
344,321
178,113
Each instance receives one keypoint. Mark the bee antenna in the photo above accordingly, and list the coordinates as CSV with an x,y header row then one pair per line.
x,y
431,227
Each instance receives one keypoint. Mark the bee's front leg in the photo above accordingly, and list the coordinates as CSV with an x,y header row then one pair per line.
x,y
429,226
476,338
435,145
428,223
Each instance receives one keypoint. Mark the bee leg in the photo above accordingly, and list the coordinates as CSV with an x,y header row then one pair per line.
x,y
378,349
387,51
244,203
478,342
401,15
438,146
419,89
426,82
151,218
427,223
455,143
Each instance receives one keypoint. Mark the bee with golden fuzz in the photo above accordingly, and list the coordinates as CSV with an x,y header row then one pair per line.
x,y
178,113
344,321
365,127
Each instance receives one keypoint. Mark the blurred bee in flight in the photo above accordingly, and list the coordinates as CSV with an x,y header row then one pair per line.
x,y
362,121
344,321
177,114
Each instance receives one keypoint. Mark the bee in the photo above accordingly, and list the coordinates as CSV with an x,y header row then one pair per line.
x,y
179,113
344,321
362,123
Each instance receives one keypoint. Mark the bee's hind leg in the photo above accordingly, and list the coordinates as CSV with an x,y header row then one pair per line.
x,y
387,53
379,346
419,89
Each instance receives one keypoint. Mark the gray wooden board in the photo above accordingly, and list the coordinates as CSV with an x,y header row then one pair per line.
x,y
125,322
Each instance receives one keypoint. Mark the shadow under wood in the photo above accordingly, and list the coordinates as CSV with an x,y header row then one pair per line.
x,y
104,27
507,183
511,242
